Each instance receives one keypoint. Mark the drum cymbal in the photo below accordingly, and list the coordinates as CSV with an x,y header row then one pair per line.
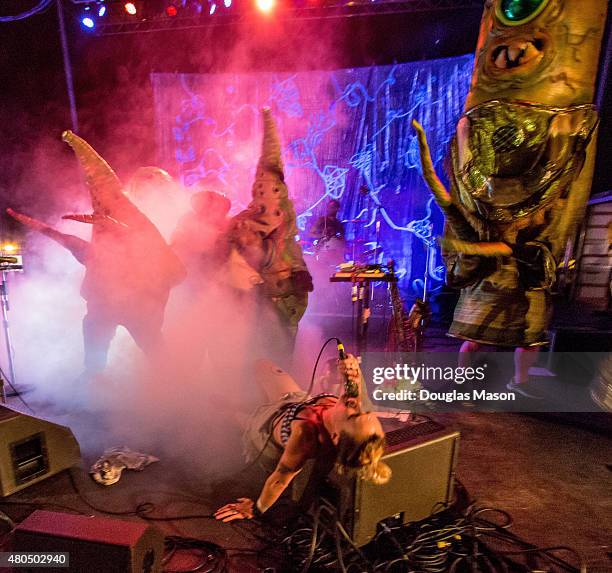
x,y
372,251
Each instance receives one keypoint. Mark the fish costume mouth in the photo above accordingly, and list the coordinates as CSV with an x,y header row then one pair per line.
x,y
511,158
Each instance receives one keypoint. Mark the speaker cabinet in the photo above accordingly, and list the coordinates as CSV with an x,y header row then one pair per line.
x,y
93,543
32,449
423,459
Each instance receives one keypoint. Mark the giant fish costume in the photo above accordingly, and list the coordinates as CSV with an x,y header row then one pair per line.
x,y
521,165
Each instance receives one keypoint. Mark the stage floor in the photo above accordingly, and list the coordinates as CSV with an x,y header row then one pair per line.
x,y
553,479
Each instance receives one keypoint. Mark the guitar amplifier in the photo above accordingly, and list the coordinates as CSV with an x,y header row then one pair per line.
x,y
93,544
422,458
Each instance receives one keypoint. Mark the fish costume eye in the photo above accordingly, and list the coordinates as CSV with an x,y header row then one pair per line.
x,y
518,12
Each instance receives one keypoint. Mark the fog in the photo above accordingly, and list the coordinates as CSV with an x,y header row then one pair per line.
x,y
182,403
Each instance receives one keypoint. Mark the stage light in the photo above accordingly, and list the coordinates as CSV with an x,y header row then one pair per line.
x,y
265,5
213,8
227,3
101,11
130,8
9,248
88,22
171,10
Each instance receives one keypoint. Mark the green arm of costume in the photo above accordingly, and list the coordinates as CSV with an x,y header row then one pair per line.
x,y
441,195
497,249
464,235
78,247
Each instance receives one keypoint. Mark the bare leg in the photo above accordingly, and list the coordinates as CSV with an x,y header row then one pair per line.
x,y
465,353
274,381
524,359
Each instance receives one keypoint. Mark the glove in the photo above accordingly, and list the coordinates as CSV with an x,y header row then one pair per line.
x,y
302,282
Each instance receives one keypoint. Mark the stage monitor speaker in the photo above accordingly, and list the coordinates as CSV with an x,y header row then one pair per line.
x,y
94,544
32,449
422,457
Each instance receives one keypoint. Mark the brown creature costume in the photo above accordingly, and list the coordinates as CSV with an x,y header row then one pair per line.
x,y
130,269
264,234
197,233
521,165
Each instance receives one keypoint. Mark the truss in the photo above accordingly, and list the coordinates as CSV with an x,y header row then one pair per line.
x,y
329,10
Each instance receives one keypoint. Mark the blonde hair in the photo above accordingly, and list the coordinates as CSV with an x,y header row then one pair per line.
x,y
363,458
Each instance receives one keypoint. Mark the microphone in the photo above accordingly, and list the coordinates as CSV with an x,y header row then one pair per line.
x,y
351,389
341,351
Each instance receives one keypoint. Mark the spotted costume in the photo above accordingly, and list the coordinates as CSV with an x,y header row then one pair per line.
x,y
265,234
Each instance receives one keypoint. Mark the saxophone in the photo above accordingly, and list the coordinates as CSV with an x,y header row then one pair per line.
x,y
405,331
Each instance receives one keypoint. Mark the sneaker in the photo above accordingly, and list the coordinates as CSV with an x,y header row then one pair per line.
x,y
526,390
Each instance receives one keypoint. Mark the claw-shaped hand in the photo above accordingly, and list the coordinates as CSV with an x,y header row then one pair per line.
x,y
28,221
242,509
498,249
441,195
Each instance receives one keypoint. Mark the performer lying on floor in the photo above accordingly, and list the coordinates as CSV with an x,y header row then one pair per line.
x,y
296,428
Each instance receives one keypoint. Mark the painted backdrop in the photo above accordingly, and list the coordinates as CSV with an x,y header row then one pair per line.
x,y
346,135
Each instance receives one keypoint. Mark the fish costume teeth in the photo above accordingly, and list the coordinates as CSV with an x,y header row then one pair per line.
x,y
130,269
521,165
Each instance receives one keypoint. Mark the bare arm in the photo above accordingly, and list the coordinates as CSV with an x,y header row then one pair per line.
x,y
354,386
301,443
299,448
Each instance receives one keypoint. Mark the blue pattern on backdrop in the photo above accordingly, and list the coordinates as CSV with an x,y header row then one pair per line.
x,y
342,131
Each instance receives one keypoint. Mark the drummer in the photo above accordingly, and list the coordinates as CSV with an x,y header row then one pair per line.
x,y
328,226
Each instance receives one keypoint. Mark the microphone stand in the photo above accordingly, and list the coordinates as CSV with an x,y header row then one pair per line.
x,y
11,379
4,301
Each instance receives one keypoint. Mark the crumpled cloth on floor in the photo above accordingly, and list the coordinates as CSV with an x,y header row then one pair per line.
x,y
107,470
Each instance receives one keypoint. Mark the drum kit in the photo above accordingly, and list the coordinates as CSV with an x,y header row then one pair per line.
x,y
334,250
333,259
